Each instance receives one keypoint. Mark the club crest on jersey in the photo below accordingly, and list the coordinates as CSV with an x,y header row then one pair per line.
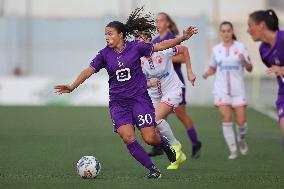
x,y
236,51
159,59
120,64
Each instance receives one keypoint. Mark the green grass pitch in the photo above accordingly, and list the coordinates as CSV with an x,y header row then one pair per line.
x,y
39,147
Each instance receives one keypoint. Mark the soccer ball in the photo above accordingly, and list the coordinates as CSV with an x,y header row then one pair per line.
x,y
88,167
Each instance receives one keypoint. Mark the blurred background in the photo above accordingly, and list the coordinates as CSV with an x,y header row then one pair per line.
x,y
47,42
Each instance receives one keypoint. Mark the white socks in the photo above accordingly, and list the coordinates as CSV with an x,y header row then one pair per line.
x,y
166,131
229,136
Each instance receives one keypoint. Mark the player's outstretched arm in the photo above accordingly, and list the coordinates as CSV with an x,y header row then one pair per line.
x,y
85,74
173,42
183,56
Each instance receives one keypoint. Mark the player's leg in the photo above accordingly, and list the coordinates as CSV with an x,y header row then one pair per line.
x,y
228,132
182,115
144,119
241,128
280,110
152,137
282,129
123,125
187,122
162,110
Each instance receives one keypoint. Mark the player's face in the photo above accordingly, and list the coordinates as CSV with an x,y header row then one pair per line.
x,y
254,29
113,38
226,33
162,23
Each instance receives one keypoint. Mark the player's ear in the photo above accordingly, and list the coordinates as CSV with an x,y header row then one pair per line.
x,y
261,25
120,35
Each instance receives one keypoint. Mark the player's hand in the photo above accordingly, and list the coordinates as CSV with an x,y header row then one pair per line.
x,y
277,70
205,75
153,82
60,89
242,58
191,77
187,33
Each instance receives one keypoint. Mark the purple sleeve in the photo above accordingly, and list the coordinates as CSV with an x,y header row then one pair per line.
x,y
145,49
98,62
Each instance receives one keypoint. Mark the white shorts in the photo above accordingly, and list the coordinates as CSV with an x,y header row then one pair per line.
x,y
225,99
172,98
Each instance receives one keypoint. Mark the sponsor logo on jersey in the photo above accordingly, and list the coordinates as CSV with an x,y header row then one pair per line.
x,y
163,75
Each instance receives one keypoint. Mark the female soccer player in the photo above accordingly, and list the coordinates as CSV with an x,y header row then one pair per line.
x,y
130,103
228,60
167,30
263,25
165,88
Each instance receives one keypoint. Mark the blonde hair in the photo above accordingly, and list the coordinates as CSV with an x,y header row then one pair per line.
x,y
172,27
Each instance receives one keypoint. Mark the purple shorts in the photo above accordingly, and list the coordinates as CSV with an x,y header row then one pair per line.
x,y
280,107
138,111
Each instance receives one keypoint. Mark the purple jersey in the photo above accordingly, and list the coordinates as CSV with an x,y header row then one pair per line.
x,y
126,79
274,55
177,67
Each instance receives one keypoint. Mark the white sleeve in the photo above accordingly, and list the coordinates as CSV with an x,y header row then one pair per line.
x,y
171,51
212,60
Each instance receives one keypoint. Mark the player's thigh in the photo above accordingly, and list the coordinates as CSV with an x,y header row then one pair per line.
x,y
120,115
127,133
240,112
162,111
225,112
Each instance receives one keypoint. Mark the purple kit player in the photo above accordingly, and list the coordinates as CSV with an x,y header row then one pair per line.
x,y
168,30
263,25
129,102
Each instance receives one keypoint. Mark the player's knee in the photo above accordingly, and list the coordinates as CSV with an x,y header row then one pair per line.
x,y
128,138
181,114
151,139
241,122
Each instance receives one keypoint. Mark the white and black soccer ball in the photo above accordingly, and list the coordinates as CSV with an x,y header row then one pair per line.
x,y
88,167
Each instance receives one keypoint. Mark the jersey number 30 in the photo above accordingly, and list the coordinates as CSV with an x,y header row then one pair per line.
x,y
147,118
123,74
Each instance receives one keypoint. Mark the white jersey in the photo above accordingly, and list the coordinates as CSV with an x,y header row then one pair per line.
x,y
229,69
160,66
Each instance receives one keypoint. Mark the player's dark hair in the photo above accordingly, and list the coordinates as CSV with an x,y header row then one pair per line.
x,y
269,17
148,35
231,25
172,25
137,21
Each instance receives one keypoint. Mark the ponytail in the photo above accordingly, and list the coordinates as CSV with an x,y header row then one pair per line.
x,y
269,17
136,22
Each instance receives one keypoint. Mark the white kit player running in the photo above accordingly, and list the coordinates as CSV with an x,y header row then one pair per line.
x,y
228,61
165,88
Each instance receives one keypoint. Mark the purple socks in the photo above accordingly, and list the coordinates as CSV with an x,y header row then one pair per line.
x,y
138,152
192,136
